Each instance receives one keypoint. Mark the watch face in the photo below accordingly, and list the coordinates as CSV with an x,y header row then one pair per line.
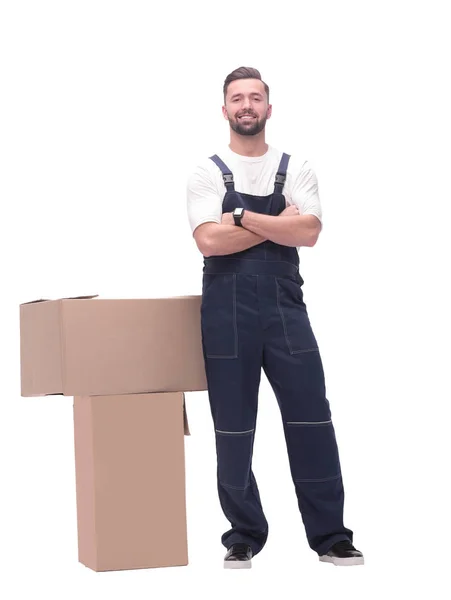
x,y
239,211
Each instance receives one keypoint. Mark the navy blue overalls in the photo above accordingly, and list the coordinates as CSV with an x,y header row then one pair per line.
x,y
253,316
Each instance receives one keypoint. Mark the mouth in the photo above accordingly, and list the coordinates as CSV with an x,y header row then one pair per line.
x,y
246,118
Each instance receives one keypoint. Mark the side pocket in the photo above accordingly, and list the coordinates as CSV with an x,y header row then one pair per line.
x,y
293,313
218,317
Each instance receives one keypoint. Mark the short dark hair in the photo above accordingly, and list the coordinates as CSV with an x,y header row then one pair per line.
x,y
243,73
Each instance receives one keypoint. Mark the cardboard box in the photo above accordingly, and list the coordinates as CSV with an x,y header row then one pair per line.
x,y
130,480
91,346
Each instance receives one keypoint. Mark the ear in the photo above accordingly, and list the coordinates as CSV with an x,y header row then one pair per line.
x,y
225,113
269,111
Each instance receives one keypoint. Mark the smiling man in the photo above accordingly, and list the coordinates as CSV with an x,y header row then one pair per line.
x,y
251,208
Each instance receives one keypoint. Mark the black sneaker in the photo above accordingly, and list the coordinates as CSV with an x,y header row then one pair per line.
x,y
238,557
343,554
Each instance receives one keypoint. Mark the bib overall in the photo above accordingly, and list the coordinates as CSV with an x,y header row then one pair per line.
x,y
253,316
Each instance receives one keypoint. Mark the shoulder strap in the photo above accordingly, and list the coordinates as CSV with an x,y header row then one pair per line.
x,y
226,172
281,174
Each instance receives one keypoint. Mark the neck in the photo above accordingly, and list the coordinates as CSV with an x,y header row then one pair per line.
x,y
248,145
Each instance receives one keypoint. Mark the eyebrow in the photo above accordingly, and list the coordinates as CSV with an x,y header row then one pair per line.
x,y
237,95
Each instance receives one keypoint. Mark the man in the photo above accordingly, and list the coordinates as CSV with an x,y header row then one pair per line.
x,y
250,209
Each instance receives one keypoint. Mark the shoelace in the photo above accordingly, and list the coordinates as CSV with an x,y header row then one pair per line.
x,y
240,548
345,545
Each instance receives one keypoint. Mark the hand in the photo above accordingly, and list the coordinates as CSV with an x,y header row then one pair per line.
x,y
290,211
227,219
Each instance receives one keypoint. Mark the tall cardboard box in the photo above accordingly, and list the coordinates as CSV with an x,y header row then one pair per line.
x,y
130,480
93,346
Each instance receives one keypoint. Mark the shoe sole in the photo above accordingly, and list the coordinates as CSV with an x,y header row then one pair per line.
x,y
343,562
237,564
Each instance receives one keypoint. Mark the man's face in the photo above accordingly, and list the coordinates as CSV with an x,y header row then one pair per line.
x,y
246,106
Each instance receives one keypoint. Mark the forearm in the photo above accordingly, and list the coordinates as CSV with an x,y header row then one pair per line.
x,y
228,239
296,230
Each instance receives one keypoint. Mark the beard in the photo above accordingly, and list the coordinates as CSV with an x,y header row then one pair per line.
x,y
244,128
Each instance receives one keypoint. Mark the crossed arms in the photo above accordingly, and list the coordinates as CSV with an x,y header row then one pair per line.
x,y
288,229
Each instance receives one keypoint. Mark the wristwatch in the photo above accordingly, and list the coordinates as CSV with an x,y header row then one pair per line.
x,y
238,215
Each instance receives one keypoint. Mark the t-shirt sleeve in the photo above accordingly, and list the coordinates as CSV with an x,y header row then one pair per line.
x,y
203,201
305,193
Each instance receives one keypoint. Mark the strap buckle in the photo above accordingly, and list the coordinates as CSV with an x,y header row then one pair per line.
x,y
280,178
228,178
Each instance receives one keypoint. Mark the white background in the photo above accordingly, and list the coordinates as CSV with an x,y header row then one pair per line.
x,y
105,107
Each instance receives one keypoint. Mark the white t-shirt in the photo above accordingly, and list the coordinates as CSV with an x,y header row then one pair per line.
x,y
252,175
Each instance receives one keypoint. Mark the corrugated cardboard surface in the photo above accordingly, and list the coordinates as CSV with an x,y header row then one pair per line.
x,y
91,346
130,481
